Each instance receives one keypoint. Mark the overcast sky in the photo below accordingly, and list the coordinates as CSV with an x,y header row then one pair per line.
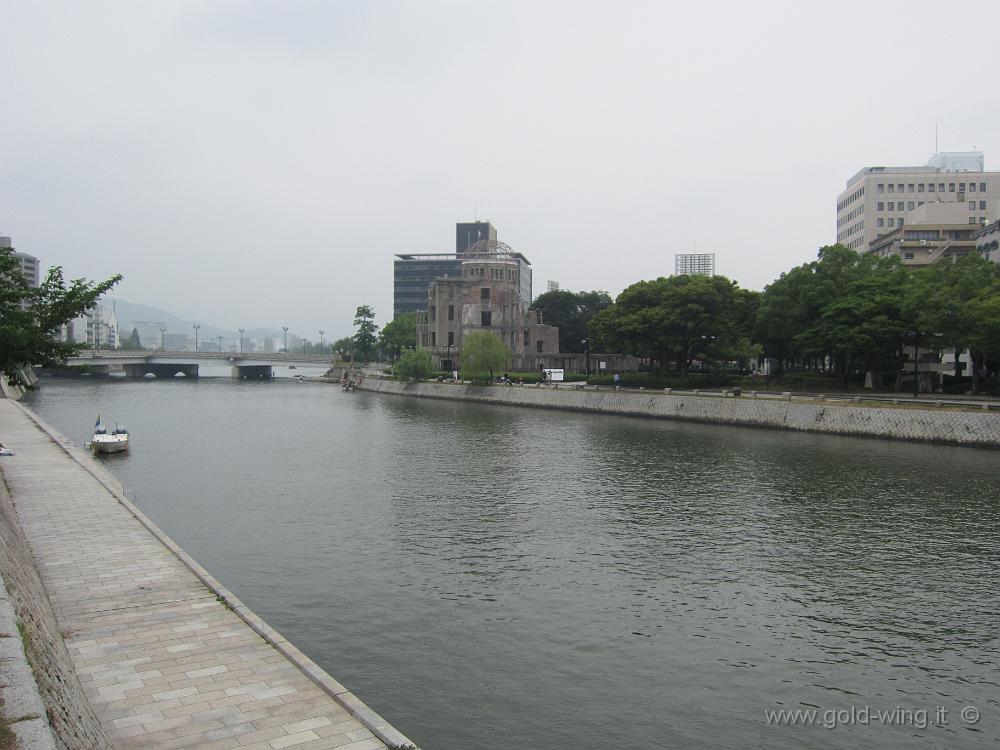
x,y
258,163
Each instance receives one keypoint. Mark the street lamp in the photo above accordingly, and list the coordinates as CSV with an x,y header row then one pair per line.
x,y
196,327
586,351
321,342
241,340
220,343
285,329
163,333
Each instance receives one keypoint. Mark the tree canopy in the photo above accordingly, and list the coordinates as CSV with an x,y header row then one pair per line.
x,y
571,312
414,364
398,335
482,354
366,335
29,316
132,343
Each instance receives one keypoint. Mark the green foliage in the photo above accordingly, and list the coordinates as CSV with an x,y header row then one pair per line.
x,y
414,364
398,335
29,315
366,336
679,318
133,343
482,354
342,345
571,312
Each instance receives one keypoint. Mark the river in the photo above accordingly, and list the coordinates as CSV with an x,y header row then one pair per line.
x,y
489,577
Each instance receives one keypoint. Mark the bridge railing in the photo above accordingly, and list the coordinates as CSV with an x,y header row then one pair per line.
x,y
226,356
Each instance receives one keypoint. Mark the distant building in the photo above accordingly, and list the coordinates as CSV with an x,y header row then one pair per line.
x,y
176,342
553,286
469,233
29,263
413,273
931,232
97,328
876,200
694,264
268,345
488,296
988,241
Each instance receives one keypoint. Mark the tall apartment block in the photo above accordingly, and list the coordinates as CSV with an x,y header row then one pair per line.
x,y
694,264
30,267
877,200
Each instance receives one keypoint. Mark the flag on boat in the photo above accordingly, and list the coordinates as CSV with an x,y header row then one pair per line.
x,y
98,422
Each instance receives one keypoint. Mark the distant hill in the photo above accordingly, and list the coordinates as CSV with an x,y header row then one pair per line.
x,y
129,312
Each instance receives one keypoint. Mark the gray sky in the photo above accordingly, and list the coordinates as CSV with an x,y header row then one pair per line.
x,y
258,163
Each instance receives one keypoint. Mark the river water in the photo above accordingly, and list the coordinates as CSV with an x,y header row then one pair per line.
x,y
490,577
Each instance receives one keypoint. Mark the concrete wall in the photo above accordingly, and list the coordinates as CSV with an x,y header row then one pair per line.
x,y
926,425
16,392
48,689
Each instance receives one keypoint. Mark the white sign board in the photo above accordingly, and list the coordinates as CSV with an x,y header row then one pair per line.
x,y
604,365
553,374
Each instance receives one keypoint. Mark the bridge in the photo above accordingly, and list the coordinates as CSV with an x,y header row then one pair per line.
x,y
164,364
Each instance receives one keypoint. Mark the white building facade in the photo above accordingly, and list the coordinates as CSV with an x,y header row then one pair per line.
x,y
877,200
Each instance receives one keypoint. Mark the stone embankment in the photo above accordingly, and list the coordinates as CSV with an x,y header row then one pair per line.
x,y
925,424
112,637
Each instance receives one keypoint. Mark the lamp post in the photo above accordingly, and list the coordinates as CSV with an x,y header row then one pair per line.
x,y
163,333
196,326
586,351
241,340
321,342
220,343
285,331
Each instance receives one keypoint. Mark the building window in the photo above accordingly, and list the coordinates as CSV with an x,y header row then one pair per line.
x,y
972,219
961,187
881,206
451,312
484,294
900,188
881,188
538,346
951,187
434,338
940,187
485,318
433,312
881,222
920,188
982,205
527,338
982,187
909,206
899,222
892,205
907,256
972,205
451,338
892,188
972,187
930,188
909,188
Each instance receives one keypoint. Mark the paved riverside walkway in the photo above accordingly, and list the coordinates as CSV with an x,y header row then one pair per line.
x,y
167,657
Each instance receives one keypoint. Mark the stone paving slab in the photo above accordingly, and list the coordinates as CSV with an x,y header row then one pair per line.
x,y
166,656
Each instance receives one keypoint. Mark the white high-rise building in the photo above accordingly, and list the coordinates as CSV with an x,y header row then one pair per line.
x,y
694,264
878,200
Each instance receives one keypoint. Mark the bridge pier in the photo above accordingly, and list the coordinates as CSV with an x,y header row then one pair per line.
x,y
252,372
159,370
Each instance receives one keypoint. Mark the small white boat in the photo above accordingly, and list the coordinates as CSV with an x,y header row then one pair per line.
x,y
104,442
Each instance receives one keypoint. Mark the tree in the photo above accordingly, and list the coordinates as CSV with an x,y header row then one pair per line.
x,y
367,334
30,315
398,335
133,343
414,364
678,318
482,354
571,312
